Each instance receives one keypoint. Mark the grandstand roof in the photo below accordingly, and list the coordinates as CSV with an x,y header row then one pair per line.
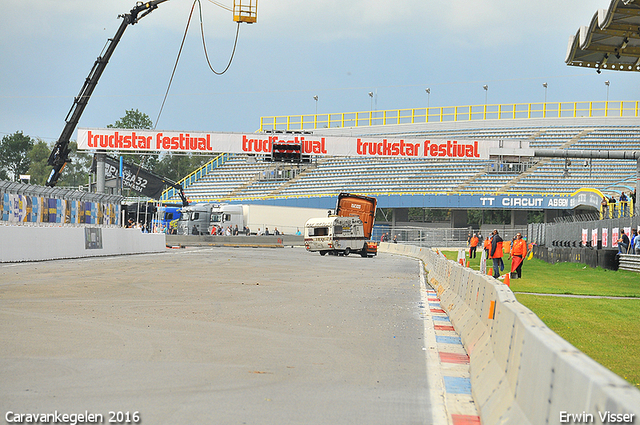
x,y
611,41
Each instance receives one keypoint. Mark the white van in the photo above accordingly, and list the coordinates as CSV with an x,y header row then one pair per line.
x,y
335,235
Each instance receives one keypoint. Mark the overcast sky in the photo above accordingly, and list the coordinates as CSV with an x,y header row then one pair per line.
x,y
338,50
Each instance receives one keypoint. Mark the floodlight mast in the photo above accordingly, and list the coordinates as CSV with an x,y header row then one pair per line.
x,y
60,154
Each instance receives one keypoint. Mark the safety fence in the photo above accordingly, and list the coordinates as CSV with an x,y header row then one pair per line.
x,y
25,204
612,109
440,237
592,233
521,371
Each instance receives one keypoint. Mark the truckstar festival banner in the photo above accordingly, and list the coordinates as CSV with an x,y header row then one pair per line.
x,y
260,143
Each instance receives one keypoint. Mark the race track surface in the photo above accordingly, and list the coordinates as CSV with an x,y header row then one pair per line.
x,y
217,336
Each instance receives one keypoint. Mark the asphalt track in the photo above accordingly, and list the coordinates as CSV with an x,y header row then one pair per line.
x,y
218,336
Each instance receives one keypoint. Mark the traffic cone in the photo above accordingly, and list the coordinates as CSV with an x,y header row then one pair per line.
x,y
467,263
506,280
490,271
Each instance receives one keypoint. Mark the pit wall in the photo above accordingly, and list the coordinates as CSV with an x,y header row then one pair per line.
x,y
521,371
34,243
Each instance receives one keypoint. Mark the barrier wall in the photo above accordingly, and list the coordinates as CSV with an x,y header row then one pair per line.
x,y
236,241
521,371
32,243
25,203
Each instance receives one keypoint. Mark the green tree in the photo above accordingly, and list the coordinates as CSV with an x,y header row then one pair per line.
x,y
136,120
39,169
76,172
13,154
176,167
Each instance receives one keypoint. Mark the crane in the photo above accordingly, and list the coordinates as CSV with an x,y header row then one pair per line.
x,y
59,156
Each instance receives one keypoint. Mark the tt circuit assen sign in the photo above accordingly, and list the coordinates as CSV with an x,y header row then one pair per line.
x,y
254,143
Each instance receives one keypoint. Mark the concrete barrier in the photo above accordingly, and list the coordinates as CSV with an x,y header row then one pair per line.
x,y
236,241
34,243
521,371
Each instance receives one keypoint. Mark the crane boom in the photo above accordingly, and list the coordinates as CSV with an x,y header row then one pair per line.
x,y
59,156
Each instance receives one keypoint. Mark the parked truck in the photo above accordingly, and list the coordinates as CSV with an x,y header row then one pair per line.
x,y
199,219
257,218
348,230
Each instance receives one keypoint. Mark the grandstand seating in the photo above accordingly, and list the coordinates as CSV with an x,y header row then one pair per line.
x,y
244,178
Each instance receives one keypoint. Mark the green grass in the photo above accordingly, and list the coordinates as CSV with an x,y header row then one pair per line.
x,y
607,330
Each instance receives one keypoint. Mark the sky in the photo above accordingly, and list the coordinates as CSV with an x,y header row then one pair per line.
x,y
338,50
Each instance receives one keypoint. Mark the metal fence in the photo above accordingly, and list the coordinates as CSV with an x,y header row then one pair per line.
x,y
509,111
441,237
571,233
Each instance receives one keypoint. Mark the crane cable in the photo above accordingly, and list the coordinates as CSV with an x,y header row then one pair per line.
x,y
184,37
233,52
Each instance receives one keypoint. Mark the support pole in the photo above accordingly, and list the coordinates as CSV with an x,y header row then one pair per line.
x,y
100,173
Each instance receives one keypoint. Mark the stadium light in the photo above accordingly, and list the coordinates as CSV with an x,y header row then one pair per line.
x,y
545,85
606,83
486,91
428,90
316,99
371,96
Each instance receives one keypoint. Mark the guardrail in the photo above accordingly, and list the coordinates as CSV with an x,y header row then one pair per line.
x,y
521,371
629,262
614,109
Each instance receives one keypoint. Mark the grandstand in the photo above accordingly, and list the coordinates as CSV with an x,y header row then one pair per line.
x,y
404,182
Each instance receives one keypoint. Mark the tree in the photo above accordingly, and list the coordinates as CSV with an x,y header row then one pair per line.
x,y
39,169
136,120
13,154
176,167
76,172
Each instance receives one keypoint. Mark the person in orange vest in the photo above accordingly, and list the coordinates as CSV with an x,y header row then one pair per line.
x,y
473,244
486,246
518,254
496,253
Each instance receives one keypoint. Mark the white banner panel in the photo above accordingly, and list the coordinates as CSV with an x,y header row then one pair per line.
x,y
110,139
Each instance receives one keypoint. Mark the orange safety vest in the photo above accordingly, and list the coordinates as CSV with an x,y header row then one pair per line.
x,y
474,241
498,252
519,247
487,243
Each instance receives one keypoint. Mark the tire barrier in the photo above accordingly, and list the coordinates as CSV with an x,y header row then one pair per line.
x,y
521,371
605,258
